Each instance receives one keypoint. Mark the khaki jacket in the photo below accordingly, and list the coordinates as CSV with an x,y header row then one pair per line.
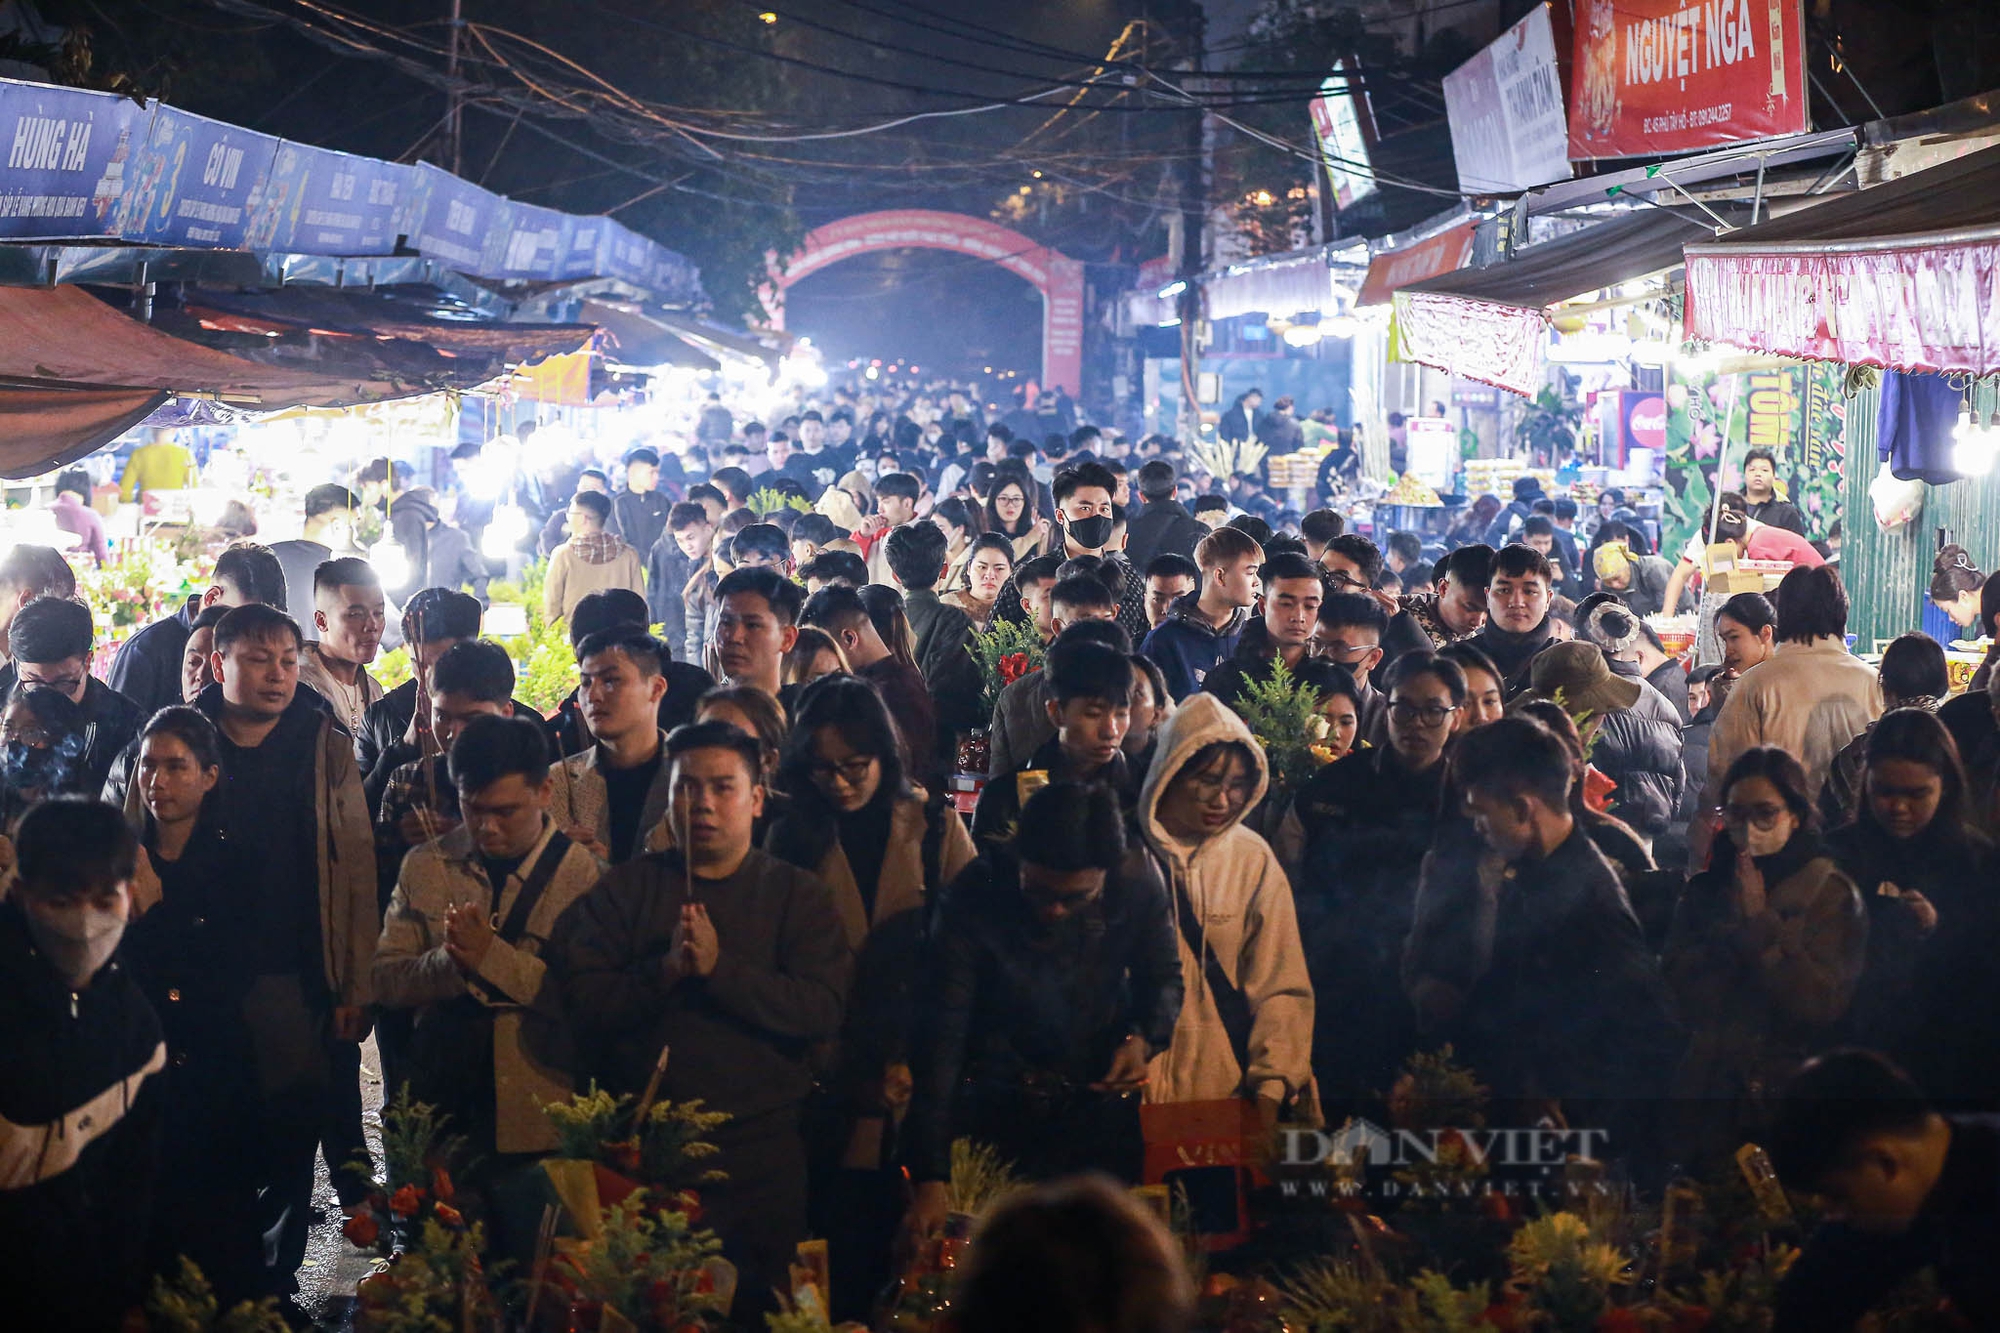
x,y
1808,699
412,969
582,805
1248,934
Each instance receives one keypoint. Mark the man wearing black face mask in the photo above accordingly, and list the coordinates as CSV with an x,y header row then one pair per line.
x,y
1083,511
79,1088
1056,977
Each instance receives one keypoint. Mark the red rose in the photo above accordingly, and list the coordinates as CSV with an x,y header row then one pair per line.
x,y
362,1230
449,1215
405,1201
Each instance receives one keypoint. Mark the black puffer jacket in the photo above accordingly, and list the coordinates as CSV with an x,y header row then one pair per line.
x,y
1640,750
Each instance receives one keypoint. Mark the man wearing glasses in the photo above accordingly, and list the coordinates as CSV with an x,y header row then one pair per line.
x,y
1368,821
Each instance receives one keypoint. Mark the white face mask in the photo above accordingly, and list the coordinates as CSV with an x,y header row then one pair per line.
x,y
77,941
1767,842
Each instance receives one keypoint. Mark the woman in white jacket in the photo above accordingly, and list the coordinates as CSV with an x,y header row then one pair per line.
x,y
1245,1028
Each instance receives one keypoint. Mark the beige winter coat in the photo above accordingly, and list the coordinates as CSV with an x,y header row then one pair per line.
x,y
412,969
1242,916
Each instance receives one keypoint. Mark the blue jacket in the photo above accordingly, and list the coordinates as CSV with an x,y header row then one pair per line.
x,y
1186,647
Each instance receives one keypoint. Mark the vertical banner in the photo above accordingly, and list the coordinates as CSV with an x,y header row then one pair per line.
x,y
1654,77
1340,133
194,181
319,202
1797,412
68,155
1505,106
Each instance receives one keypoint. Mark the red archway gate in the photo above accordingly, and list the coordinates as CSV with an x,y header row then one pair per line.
x,y
1056,276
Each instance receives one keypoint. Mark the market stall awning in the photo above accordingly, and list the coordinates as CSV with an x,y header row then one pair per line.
x,y
63,338
1905,275
1291,285
1445,252
635,339
44,427
1492,324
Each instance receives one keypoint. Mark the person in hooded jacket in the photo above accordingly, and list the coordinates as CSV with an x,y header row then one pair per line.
x,y
1763,955
1246,1025
1368,821
1635,734
885,847
80,1089
189,947
1926,996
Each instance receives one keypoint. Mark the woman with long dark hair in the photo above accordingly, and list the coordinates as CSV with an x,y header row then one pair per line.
x,y
1011,510
883,847
191,948
1926,877
989,563
1764,954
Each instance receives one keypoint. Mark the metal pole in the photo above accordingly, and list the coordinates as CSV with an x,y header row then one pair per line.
x,y
454,144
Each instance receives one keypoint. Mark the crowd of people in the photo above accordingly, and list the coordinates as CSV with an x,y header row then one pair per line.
x,y
1629,895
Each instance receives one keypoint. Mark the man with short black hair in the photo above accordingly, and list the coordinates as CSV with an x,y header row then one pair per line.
x,y
841,613
1426,622
682,548
147,669
1163,526
1318,528
756,626
350,613
612,797
639,511
81,1088
329,532
291,800
943,633
735,962
1518,623
1169,577
52,638
1907,1189
1202,630
1531,961
593,559
1293,594
463,941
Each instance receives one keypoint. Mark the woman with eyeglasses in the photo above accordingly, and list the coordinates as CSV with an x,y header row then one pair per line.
x,y
883,847
1927,879
1367,821
1239,938
1763,955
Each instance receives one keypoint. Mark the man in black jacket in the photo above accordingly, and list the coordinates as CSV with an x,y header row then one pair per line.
x,y
734,962
1163,526
147,669
392,730
1056,977
51,640
1526,953
80,1091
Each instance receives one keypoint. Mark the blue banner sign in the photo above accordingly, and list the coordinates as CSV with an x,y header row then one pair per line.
x,y
319,202
194,181
67,156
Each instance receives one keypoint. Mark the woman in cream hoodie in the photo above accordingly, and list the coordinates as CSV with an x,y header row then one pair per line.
x,y
1245,1028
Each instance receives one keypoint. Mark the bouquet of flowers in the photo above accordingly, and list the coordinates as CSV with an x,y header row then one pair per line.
x,y
1007,650
1283,714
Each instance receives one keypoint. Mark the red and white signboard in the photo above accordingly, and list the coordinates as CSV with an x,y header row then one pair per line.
x,y
1505,105
1445,252
1669,76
